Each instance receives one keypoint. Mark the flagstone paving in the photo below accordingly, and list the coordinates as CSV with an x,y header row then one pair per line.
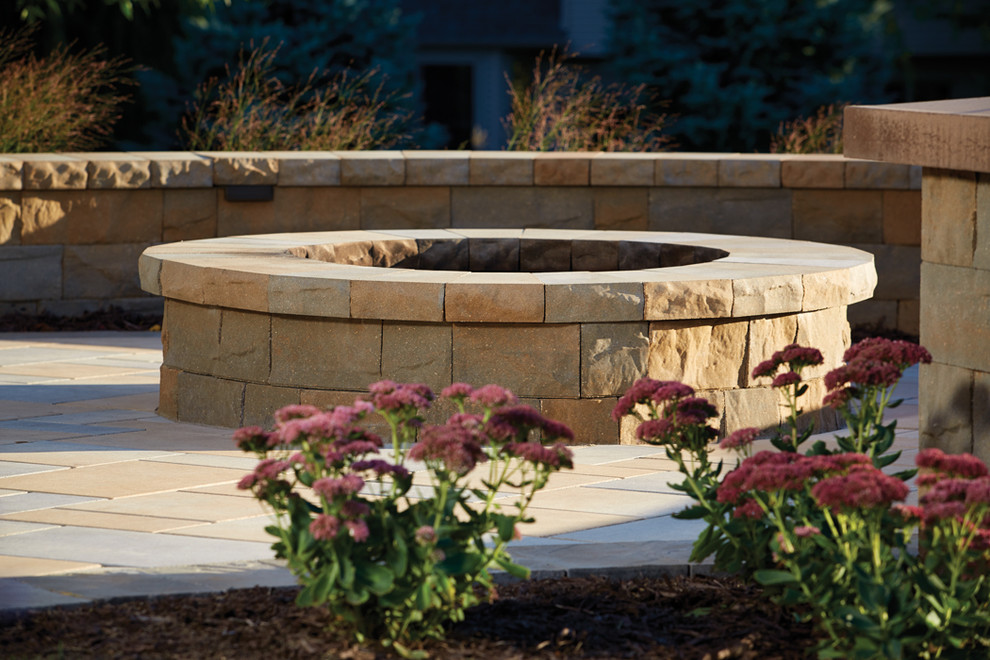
x,y
102,498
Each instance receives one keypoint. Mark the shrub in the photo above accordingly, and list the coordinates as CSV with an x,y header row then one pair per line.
x,y
396,555
561,110
820,134
60,102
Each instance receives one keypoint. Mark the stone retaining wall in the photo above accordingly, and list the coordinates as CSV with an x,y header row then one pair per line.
x,y
73,225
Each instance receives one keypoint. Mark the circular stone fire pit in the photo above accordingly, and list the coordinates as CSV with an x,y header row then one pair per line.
x,y
565,319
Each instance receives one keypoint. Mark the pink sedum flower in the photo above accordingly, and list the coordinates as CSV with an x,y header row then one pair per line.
x,y
864,487
493,396
358,529
786,379
330,487
740,439
324,527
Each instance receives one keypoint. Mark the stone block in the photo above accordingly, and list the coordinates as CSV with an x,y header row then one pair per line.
x,y
243,168
516,207
561,169
292,209
209,400
945,407
812,171
622,169
233,282
981,252
101,271
531,360
389,299
700,299
149,274
589,419
309,296
168,392
902,217
828,331
672,254
758,407
746,211
93,216
327,399
245,346
606,302
948,228
767,336
399,253
594,255
862,282
540,255
494,255
261,402
755,171
879,314
909,317
898,270
621,208
30,272
838,216
443,254
11,173
10,218
500,168
829,288
325,353
178,169
405,208
308,168
696,170
189,214
705,356
117,171
955,306
981,416
417,353
437,168
753,296
53,172
639,255
520,302
372,168
872,174
824,418
613,357
183,281
191,337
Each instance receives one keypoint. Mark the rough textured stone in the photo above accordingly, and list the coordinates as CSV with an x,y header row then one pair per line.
x,y
405,208
902,217
244,346
752,172
949,223
11,173
30,272
705,356
756,407
325,353
753,296
867,174
310,168
540,255
699,299
417,353
53,172
10,218
309,296
514,207
898,270
589,419
102,271
372,168
613,357
745,211
687,170
261,402
621,208
594,255
955,306
828,331
191,337
388,253
209,400
508,355
945,407
189,214
812,171
828,288
437,168
383,299
766,336
494,255
569,303
168,392
838,216
501,168
622,169
87,217
117,171
178,169
292,209
501,303
560,169
243,168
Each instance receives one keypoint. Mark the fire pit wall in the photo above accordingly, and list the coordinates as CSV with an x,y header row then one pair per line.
x,y
566,319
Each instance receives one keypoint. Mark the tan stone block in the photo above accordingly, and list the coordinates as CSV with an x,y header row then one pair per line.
x,y
871,174
397,300
981,253
509,207
493,255
437,168
117,171
96,216
981,416
700,299
621,208
687,170
948,202
594,255
308,168
756,171
405,208
467,302
613,357
812,171
53,171
30,273
101,271
209,400
417,353
838,216
605,302
745,211
244,346
828,288
225,284
10,218
168,392
261,402
954,315
292,209
757,407
189,214
813,412
325,353
945,407
509,354
589,419
705,356
372,168
501,168
874,314
191,337
898,270
402,253
902,217
862,282
178,169
828,331
11,173
309,296
243,168
149,273
561,169
909,317
183,281
767,336
622,169
753,296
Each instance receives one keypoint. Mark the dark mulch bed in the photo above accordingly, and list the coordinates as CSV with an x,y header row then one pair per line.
x,y
107,319
713,618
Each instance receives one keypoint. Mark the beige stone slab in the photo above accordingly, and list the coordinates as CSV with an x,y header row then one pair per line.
x,y
53,171
116,170
122,479
178,169
82,217
242,168
58,516
11,173
501,168
865,174
553,522
10,217
308,168
687,169
561,169
16,567
611,470
622,169
349,353
437,168
417,353
597,301
949,217
778,294
247,529
413,207
589,418
201,504
613,357
67,370
632,504
189,214
847,216
703,355
749,171
812,171
316,294
226,490
63,454
372,168
692,299
621,208
481,298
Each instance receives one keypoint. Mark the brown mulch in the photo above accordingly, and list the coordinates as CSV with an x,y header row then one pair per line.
x,y
113,318
710,618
